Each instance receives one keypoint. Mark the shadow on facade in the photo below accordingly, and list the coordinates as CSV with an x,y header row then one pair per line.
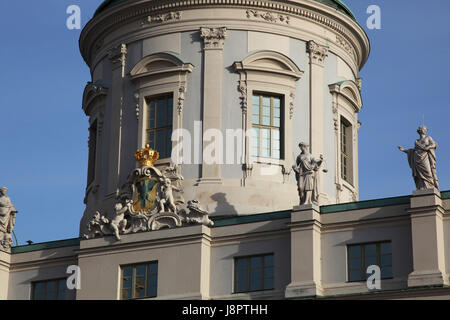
x,y
223,205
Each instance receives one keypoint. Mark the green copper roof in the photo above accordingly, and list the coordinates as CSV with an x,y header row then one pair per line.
x,y
336,4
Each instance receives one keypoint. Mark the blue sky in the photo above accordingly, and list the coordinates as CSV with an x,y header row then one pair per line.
x,y
43,158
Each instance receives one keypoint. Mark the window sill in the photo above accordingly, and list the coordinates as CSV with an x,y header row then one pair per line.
x,y
268,161
254,291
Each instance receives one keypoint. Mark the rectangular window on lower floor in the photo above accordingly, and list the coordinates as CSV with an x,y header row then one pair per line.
x,y
49,290
361,256
254,273
139,281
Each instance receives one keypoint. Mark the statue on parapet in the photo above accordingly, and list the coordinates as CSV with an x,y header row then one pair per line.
x,y
7,219
422,160
307,175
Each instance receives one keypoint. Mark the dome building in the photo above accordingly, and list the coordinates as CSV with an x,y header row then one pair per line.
x,y
285,71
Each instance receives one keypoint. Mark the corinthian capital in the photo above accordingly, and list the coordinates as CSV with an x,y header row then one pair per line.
x,y
213,38
317,53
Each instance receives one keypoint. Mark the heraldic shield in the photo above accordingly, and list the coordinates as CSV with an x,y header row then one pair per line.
x,y
145,193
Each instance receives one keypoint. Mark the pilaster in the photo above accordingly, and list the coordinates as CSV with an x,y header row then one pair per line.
x,y
117,57
317,56
306,268
5,261
213,40
428,234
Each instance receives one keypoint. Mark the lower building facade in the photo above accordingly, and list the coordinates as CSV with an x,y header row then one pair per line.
x,y
309,252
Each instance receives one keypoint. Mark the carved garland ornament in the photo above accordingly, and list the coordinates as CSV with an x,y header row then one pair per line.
x,y
181,98
243,90
268,16
171,16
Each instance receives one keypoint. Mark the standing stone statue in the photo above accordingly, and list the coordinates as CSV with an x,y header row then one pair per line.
x,y
307,175
422,160
7,219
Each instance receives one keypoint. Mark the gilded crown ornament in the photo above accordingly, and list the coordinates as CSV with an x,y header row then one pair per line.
x,y
147,156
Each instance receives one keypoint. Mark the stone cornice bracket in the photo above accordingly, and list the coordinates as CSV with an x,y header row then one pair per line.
x,y
181,98
243,90
118,56
317,53
160,18
213,38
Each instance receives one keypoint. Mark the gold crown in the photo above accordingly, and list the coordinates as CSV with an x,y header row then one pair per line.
x,y
147,156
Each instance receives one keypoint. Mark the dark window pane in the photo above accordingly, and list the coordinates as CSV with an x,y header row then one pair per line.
x,y
370,261
169,111
127,274
139,287
355,263
268,283
151,139
355,275
38,291
386,272
152,283
160,143
386,260
161,114
168,143
255,262
386,248
370,250
62,289
50,290
268,261
354,251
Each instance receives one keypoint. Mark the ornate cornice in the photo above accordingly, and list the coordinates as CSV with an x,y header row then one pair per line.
x,y
344,26
213,38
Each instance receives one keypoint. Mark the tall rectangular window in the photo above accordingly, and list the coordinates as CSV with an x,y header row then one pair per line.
x,y
160,124
346,150
361,256
49,290
92,152
139,281
267,126
253,273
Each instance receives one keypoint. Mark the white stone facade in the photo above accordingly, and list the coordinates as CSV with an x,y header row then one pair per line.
x,y
212,58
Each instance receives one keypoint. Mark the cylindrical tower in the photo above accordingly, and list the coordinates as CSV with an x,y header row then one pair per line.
x,y
286,71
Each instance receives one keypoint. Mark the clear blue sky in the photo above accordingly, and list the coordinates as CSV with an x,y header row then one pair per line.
x,y
43,157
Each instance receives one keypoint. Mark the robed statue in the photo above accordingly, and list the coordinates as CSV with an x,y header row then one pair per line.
x,y
307,175
7,219
422,160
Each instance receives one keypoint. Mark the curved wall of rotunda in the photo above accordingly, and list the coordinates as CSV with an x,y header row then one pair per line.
x,y
288,69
